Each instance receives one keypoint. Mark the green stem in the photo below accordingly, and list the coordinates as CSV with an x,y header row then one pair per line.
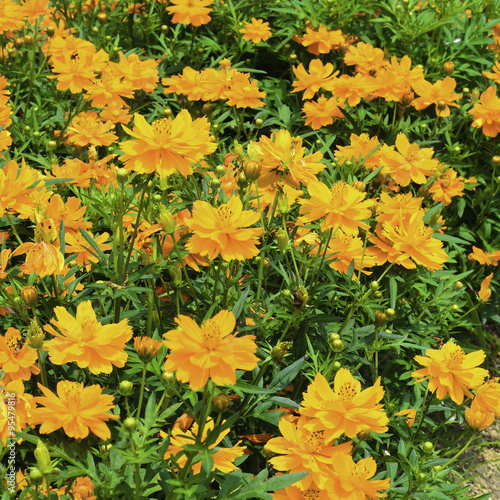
x,y
423,412
186,275
141,395
464,448
216,279
19,240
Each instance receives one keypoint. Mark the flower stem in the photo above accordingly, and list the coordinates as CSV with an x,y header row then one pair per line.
x,y
141,395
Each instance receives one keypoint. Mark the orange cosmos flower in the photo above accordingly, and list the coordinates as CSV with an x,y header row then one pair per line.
x,y
398,209
142,74
87,128
321,41
495,75
70,212
81,489
147,348
305,450
345,410
256,31
413,240
485,291
410,414
352,88
479,419
77,409
16,186
351,480
484,258
487,397
317,77
17,360
440,93
223,457
167,146
447,186
212,351
77,244
283,159
223,230
193,12
321,113
450,371
343,249
409,162
76,70
243,93
368,59
84,340
363,149
42,258
295,493
486,113
13,392
342,207
11,16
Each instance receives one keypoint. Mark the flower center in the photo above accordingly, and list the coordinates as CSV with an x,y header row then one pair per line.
x,y
314,442
311,494
413,151
71,391
359,471
211,334
14,342
457,357
347,391
163,126
224,213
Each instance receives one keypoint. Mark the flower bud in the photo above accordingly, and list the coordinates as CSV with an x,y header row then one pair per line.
x,y
475,95
337,345
359,185
51,145
364,435
35,335
495,161
215,184
147,348
167,221
122,175
282,239
448,67
454,308
238,149
221,402
42,456
441,105
242,180
267,452
130,424
258,123
333,336
380,318
458,286
428,447
282,203
390,312
252,170
279,351
220,171
176,276
126,388
102,17
300,297
50,30
207,108
374,285
406,99
35,477
168,381
336,366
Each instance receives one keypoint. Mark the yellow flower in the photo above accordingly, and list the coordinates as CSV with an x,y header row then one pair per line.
x,y
305,450
345,410
487,397
223,230
167,146
84,340
451,371
223,457
256,31
342,207
212,351
410,414
485,292
17,360
478,418
77,409
193,12
317,77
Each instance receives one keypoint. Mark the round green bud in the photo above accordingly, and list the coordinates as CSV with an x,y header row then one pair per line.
x,y
35,477
390,312
126,388
374,286
130,424
428,447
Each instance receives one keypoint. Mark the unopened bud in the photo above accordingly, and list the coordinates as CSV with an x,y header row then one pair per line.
x,y
282,239
337,345
390,312
441,105
35,335
176,276
495,160
458,286
35,477
454,308
407,99
448,67
42,456
220,171
475,94
259,123
147,348
238,149
167,221
122,175
364,435
242,180
102,17
282,203
130,424
374,285
252,170
301,297
380,318
126,388
207,108
221,402
168,381
359,185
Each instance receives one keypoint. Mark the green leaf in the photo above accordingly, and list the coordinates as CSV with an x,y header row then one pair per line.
x,y
286,376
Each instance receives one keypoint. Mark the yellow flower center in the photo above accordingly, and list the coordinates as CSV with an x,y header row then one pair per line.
x,y
314,442
413,152
14,342
163,126
211,334
359,471
311,494
347,391
457,357
339,191
224,213
70,391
